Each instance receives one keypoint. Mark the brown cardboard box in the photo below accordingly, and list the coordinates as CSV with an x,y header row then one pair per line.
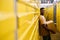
x,y
51,26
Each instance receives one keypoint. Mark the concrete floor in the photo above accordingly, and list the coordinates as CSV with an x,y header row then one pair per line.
x,y
54,36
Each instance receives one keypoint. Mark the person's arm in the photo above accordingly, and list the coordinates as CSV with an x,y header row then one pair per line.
x,y
45,26
45,23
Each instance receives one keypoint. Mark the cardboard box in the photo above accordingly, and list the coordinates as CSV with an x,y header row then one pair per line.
x,y
51,26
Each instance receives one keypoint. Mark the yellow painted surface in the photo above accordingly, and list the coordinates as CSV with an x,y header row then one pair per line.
x,y
58,16
27,22
7,20
0,4
46,13
36,34
49,13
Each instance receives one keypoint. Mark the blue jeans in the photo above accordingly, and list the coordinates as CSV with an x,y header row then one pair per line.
x,y
47,37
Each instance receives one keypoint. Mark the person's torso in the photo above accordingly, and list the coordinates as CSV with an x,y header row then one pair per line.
x,y
42,19
43,31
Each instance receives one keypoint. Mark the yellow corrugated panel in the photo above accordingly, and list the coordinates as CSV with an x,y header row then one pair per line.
x,y
28,4
21,7
27,22
58,16
36,34
50,13
24,8
7,20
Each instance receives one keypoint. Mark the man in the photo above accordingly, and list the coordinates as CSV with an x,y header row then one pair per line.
x,y
43,30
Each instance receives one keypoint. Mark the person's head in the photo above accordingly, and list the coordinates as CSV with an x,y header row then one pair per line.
x,y
42,11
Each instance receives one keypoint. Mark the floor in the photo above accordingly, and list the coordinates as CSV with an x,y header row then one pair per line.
x,y
54,36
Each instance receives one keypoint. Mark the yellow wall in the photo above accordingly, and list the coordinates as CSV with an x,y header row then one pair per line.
x,y
49,13
58,16
27,22
7,20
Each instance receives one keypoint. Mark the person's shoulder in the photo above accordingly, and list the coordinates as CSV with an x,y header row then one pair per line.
x,y
41,16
